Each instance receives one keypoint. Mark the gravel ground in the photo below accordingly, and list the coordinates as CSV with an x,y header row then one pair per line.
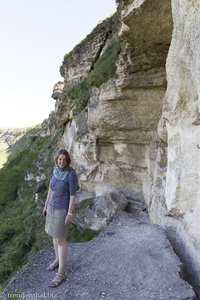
x,y
130,260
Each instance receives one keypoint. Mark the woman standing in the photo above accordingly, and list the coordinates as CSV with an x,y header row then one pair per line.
x,y
58,208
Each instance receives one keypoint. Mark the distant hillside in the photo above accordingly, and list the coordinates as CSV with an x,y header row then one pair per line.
x,y
7,138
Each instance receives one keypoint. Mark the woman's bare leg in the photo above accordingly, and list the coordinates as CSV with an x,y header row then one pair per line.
x,y
55,245
62,255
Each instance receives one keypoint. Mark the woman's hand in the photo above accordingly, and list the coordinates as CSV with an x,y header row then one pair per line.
x,y
68,219
44,212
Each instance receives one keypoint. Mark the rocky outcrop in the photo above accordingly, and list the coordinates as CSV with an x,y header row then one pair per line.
x,y
96,212
110,140
80,61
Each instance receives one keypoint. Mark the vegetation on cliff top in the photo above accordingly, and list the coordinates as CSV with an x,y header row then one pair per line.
x,y
103,70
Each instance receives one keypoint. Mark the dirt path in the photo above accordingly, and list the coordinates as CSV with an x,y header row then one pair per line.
x,y
129,260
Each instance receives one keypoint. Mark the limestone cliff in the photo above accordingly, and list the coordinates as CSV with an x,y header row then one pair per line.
x,y
109,140
134,131
177,128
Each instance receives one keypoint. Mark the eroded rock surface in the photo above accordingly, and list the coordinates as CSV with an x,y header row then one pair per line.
x,y
179,208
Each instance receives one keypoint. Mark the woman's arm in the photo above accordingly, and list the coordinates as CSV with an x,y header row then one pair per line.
x,y
73,181
47,200
69,215
71,205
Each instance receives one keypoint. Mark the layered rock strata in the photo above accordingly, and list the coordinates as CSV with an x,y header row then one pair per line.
x,y
109,140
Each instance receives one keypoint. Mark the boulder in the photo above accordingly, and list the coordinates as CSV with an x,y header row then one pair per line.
x,y
95,213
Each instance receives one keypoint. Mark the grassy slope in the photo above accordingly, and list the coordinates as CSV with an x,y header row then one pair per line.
x,y
20,222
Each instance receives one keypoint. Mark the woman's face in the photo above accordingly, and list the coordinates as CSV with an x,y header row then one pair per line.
x,y
62,161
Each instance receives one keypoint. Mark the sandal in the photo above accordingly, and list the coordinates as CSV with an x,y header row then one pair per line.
x,y
58,279
53,265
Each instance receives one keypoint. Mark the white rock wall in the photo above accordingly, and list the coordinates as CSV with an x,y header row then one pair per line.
x,y
181,108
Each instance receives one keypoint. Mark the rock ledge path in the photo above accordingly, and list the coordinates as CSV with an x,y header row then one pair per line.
x,y
129,260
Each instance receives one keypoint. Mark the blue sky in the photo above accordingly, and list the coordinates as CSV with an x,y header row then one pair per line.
x,y
35,36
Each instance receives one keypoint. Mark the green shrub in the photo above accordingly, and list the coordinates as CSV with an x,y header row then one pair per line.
x,y
105,67
103,70
79,94
80,235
